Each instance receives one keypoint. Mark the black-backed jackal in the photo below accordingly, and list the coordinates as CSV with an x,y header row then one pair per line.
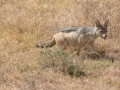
x,y
77,37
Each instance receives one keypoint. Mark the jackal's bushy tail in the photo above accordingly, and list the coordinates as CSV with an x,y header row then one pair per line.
x,y
48,43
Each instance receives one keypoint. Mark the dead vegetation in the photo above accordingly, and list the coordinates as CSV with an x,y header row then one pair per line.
x,y
25,22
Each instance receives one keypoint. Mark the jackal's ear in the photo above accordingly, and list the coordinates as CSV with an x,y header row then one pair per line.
x,y
106,23
97,23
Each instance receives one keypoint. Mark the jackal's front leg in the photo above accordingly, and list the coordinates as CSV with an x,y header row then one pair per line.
x,y
78,49
93,49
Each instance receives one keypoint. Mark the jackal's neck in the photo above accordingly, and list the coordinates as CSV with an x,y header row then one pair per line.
x,y
97,33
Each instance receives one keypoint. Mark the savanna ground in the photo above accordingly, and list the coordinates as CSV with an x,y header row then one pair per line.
x,y
23,23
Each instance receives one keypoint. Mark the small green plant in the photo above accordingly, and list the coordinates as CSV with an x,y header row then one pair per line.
x,y
60,61
75,70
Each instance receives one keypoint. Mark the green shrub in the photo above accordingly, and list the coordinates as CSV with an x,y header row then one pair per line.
x,y
60,61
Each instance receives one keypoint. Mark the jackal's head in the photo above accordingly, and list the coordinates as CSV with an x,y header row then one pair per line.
x,y
102,29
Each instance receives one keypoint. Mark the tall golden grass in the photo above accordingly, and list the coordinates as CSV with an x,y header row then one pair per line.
x,y
25,22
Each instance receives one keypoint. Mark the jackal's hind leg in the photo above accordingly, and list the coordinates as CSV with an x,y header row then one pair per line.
x,y
62,45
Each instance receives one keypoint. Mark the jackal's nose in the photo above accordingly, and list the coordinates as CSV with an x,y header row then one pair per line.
x,y
105,37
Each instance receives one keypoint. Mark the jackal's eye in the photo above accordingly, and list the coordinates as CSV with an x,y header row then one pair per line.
x,y
101,31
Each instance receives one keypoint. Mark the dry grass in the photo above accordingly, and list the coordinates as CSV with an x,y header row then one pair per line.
x,y
24,67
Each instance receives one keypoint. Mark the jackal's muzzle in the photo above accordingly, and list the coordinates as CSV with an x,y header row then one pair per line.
x,y
104,36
